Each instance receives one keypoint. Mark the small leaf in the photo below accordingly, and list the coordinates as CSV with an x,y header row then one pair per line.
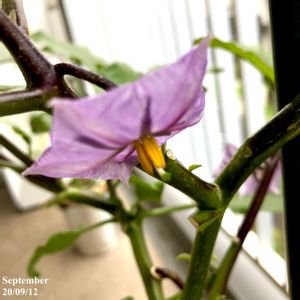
x,y
184,257
24,135
255,59
79,54
194,167
40,123
57,242
145,191
128,298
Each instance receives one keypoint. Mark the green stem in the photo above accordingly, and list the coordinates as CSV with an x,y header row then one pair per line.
x,y
224,270
15,151
143,260
87,198
200,260
282,128
25,101
8,164
206,195
161,211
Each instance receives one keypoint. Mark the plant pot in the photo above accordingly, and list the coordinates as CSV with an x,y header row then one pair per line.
x,y
98,240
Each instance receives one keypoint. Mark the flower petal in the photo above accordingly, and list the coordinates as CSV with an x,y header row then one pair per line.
x,y
109,120
175,92
70,161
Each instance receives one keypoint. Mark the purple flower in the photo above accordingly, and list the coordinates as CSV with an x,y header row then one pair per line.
x,y
105,136
250,185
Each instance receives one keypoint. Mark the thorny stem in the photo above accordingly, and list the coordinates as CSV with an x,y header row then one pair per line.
x,y
224,270
282,128
206,195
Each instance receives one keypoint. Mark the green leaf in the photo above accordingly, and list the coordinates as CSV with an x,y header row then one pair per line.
x,y
120,73
40,123
24,135
128,298
56,243
194,167
272,203
78,54
255,59
146,191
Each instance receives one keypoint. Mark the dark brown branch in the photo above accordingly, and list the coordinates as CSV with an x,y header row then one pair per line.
x,y
16,7
37,71
224,270
78,72
167,273
258,198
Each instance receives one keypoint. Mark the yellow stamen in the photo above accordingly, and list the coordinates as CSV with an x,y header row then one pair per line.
x,y
154,151
149,154
143,158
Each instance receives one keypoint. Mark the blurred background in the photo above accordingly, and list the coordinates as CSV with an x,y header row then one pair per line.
x,y
123,40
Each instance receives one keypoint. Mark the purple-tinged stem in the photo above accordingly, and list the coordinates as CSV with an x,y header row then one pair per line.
x,y
37,71
78,72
